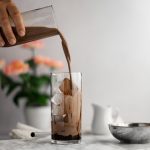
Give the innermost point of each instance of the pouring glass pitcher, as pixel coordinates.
(39, 24)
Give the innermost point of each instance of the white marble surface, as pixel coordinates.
(89, 142)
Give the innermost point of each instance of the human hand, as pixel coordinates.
(9, 9)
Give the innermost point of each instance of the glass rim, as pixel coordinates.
(58, 73)
(36, 9)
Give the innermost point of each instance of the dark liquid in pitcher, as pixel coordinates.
(36, 33)
(32, 34)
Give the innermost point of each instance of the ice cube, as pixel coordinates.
(57, 102)
(58, 118)
(56, 87)
(57, 99)
(57, 110)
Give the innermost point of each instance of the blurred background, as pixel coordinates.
(110, 45)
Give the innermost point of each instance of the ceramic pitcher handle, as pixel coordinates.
(115, 114)
(116, 118)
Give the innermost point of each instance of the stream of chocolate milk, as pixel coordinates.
(36, 33)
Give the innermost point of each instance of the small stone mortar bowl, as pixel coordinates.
(133, 133)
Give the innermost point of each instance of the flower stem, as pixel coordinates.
(33, 55)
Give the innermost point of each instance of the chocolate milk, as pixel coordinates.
(71, 130)
(66, 112)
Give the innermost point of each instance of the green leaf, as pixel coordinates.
(18, 96)
(38, 99)
(39, 81)
(9, 83)
(0, 76)
(11, 88)
(25, 77)
(31, 63)
(5, 81)
(46, 78)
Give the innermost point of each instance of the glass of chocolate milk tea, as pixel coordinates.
(66, 89)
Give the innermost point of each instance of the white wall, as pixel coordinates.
(109, 41)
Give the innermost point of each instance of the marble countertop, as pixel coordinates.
(89, 142)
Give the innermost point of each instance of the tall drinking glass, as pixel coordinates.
(66, 108)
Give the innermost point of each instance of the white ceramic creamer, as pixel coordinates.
(102, 117)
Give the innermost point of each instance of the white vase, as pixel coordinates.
(38, 117)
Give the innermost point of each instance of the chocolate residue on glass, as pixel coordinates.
(36, 33)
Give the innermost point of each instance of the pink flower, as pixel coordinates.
(2, 64)
(34, 45)
(54, 63)
(39, 60)
(42, 60)
(16, 67)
